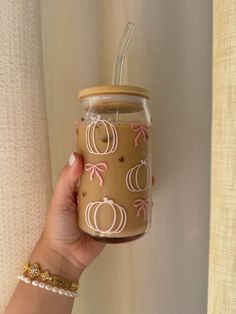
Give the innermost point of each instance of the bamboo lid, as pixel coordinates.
(113, 89)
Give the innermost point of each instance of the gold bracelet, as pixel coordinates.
(34, 271)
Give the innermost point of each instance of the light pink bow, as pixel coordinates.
(95, 170)
(141, 130)
(142, 206)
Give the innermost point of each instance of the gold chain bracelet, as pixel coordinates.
(34, 271)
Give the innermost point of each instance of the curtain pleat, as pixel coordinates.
(24, 156)
(165, 272)
(222, 262)
(170, 54)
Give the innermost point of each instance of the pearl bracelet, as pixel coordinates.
(43, 285)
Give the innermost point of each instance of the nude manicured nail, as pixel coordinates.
(72, 159)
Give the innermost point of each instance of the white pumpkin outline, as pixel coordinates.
(123, 219)
(91, 145)
(134, 171)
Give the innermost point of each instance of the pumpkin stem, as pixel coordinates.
(106, 200)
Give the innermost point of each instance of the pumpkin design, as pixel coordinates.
(132, 177)
(111, 135)
(119, 216)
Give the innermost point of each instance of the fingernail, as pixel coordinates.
(72, 159)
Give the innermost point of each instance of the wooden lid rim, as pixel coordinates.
(113, 89)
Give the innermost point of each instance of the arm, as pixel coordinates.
(28, 299)
(63, 249)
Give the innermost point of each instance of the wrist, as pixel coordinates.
(53, 261)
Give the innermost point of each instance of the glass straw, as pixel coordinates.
(121, 52)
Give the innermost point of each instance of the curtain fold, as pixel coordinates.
(24, 156)
(222, 261)
(170, 54)
(165, 272)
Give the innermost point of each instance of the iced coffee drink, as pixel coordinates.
(114, 139)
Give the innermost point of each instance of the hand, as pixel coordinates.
(62, 238)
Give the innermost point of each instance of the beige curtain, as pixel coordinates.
(222, 264)
(170, 54)
(24, 156)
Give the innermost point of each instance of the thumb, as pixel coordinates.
(67, 182)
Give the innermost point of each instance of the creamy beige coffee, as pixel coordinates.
(114, 193)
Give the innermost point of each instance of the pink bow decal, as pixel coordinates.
(95, 170)
(142, 206)
(141, 130)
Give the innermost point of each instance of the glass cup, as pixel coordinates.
(113, 138)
